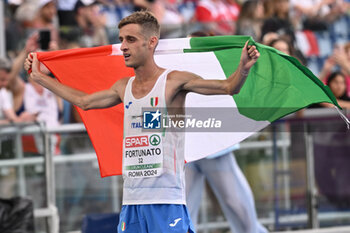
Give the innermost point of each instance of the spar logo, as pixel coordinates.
(154, 140)
(138, 141)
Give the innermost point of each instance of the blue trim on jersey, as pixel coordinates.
(155, 218)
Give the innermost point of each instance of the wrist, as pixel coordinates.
(244, 72)
(37, 76)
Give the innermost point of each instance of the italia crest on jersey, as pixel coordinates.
(154, 101)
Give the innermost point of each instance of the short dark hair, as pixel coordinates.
(145, 19)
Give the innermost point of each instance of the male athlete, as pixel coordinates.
(156, 203)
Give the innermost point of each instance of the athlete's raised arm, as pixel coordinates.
(102, 99)
(230, 86)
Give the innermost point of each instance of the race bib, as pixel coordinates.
(143, 156)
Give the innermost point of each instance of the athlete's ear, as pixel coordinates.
(153, 42)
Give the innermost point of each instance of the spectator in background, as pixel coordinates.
(13, 31)
(47, 107)
(43, 103)
(277, 8)
(165, 11)
(26, 13)
(216, 16)
(278, 24)
(66, 12)
(282, 45)
(336, 82)
(114, 11)
(13, 86)
(340, 58)
(234, 9)
(250, 19)
(122, 8)
(7, 113)
(92, 22)
(39, 15)
(347, 59)
(277, 19)
(167, 14)
(38, 102)
(46, 18)
(269, 37)
(316, 14)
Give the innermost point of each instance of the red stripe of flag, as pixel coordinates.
(91, 70)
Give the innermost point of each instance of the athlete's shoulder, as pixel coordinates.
(122, 82)
(180, 75)
(120, 85)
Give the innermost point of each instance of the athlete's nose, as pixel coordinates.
(123, 47)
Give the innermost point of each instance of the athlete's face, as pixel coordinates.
(135, 46)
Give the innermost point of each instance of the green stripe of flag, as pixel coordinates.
(277, 84)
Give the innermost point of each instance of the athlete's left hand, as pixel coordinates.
(249, 56)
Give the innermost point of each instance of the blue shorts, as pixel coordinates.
(155, 218)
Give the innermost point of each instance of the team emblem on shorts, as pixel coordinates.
(173, 224)
(123, 226)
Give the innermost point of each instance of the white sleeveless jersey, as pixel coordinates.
(166, 184)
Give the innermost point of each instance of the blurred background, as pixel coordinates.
(298, 168)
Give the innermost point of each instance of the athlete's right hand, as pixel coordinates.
(28, 63)
(32, 65)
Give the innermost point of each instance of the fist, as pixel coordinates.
(28, 63)
(250, 55)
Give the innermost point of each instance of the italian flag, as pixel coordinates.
(277, 85)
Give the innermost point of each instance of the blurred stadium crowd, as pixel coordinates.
(317, 32)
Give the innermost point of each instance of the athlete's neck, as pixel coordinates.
(147, 72)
